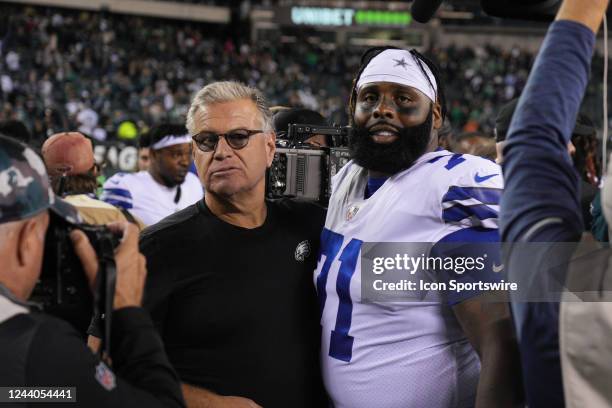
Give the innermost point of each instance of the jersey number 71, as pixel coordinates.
(341, 344)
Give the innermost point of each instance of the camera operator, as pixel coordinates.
(40, 350)
(284, 118)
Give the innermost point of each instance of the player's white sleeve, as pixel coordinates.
(472, 198)
(117, 192)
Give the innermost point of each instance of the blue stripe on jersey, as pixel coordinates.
(473, 234)
(454, 161)
(118, 192)
(435, 159)
(118, 203)
(483, 194)
(459, 212)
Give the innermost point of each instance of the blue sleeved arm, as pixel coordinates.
(541, 198)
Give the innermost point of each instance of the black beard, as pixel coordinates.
(393, 157)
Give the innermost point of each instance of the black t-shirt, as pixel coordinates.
(237, 307)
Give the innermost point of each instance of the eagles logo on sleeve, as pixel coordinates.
(302, 251)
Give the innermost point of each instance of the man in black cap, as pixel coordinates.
(42, 351)
(284, 118)
(502, 125)
(17, 130)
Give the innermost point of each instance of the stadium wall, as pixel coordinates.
(162, 9)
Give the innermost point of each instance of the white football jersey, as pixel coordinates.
(148, 200)
(400, 354)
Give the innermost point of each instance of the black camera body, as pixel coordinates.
(63, 289)
(302, 171)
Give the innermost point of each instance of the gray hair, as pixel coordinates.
(227, 91)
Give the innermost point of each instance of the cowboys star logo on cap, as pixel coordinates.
(400, 67)
(302, 251)
(401, 63)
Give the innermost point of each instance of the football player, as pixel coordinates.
(166, 186)
(400, 187)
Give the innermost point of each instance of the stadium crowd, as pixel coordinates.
(96, 70)
(120, 75)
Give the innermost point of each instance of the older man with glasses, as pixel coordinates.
(230, 278)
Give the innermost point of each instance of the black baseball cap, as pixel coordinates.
(282, 119)
(584, 125)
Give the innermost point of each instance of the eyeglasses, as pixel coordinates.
(236, 139)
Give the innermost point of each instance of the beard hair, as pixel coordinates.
(393, 157)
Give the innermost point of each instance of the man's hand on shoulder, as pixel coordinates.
(196, 397)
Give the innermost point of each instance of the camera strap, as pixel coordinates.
(104, 296)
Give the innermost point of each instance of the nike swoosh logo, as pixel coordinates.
(498, 268)
(479, 179)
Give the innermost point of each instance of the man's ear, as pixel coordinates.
(270, 147)
(437, 116)
(29, 237)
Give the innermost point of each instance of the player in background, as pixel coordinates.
(400, 187)
(166, 187)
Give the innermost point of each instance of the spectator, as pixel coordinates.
(144, 157)
(174, 60)
(73, 174)
(584, 159)
(17, 130)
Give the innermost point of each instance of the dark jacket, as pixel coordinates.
(39, 350)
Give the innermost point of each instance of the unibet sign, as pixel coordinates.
(338, 17)
(385, 18)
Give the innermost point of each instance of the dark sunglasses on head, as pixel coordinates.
(236, 139)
